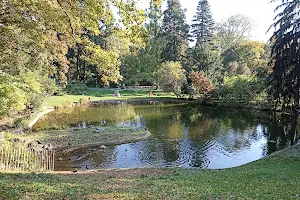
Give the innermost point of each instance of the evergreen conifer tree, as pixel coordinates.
(203, 24)
(286, 54)
(175, 32)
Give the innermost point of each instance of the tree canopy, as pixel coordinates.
(285, 53)
(175, 32)
(48, 45)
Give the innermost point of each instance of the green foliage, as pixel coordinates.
(12, 95)
(21, 91)
(203, 24)
(245, 58)
(36, 36)
(206, 58)
(285, 54)
(106, 62)
(238, 89)
(143, 66)
(171, 76)
(175, 32)
(233, 31)
(76, 88)
(155, 19)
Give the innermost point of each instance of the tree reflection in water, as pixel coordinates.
(184, 136)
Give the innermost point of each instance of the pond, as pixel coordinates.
(182, 135)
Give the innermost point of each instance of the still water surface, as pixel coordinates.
(184, 136)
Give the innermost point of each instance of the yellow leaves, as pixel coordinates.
(11, 94)
(171, 76)
(106, 61)
(157, 3)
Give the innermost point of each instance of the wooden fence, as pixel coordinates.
(16, 158)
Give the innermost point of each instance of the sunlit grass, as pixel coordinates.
(275, 177)
(97, 95)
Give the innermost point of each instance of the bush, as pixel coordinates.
(171, 76)
(19, 123)
(237, 88)
(77, 89)
(202, 84)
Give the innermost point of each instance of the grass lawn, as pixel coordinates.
(97, 95)
(276, 177)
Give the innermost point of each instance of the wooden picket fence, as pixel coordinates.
(17, 158)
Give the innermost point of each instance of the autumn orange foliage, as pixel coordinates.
(201, 83)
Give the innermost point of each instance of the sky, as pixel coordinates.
(261, 11)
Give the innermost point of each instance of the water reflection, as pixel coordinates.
(182, 136)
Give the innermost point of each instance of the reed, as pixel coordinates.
(18, 158)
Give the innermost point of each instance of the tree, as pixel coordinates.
(155, 19)
(171, 76)
(203, 24)
(12, 97)
(285, 77)
(175, 32)
(35, 37)
(207, 59)
(245, 58)
(238, 88)
(202, 84)
(233, 31)
(142, 68)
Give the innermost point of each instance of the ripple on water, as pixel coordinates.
(192, 137)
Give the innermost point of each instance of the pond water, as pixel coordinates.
(185, 136)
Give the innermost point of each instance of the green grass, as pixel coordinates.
(63, 138)
(97, 95)
(111, 135)
(276, 177)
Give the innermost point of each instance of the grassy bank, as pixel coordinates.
(97, 95)
(73, 138)
(276, 177)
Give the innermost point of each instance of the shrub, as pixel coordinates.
(202, 84)
(77, 89)
(238, 88)
(19, 123)
(171, 76)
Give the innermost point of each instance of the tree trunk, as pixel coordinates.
(296, 98)
(77, 68)
(84, 71)
(69, 75)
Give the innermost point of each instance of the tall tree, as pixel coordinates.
(141, 68)
(175, 32)
(35, 37)
(245, 58)
(233, 31)
(285, 78)
(155, 19)
(203, 23)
